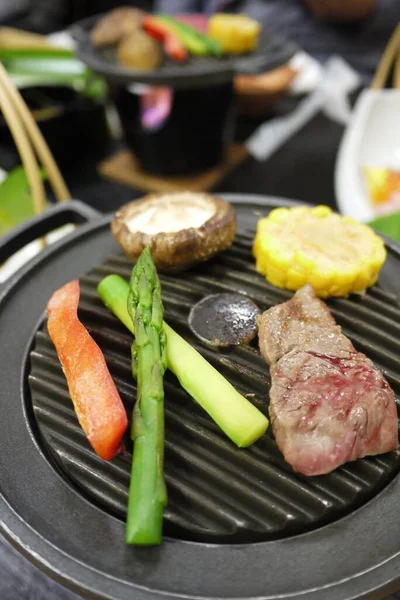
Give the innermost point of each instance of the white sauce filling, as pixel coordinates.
(171, 214)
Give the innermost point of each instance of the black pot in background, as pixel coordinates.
(192, 139)
(73, 125)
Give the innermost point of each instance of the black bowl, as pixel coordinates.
(192, 138)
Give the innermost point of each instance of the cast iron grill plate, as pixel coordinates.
(197, 71)
(217, 492)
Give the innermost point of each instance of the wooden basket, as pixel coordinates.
(389, 62)
(30, 144)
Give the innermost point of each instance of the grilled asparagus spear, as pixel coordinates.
(241, 421)
(147, 493)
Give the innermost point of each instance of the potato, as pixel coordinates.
(140, 52)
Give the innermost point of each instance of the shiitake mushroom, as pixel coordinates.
(181, 229)
(115, 25)
(223, 320)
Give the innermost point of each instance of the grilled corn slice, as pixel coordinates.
(236, 34)
(336, 255)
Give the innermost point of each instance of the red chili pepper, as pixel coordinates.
(172, 44)
(95, 397)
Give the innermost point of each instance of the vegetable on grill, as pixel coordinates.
(242, 422)
(236, 34)
(139, 51)
(147, 492)
(336, 255)
(181, 228)
(115, 25)
(194, 41)
(97, 403)
(224, 320)
(173, 46)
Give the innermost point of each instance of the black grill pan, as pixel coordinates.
(216, 491)
(240, 523)
(272, 52)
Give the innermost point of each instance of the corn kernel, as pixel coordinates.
(322, 211)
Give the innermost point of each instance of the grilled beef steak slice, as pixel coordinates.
(328, 405)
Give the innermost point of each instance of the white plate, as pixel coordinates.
(371, 139)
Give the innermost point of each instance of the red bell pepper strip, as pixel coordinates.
(96, 400)
(172, 44)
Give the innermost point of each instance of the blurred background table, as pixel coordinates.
(302, 169)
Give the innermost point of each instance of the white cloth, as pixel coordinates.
(331, 96)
